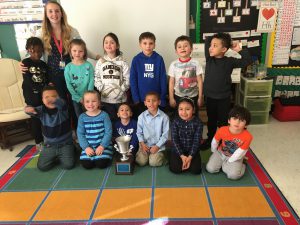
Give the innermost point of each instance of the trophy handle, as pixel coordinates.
(116, 147)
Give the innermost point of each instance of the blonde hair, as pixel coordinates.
(47, 29)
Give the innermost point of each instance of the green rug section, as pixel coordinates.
(31, 179)
(142, 177)
(165, 178)
(220, 179)
(80, 178)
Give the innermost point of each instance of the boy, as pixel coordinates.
(56, 129)
(152, 132)
(217, 82)
(34, 80)
(185, 74)
(147, 73)
(126, 126)
(235, 141)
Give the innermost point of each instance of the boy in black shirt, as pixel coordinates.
(217, 81)
(34, 80)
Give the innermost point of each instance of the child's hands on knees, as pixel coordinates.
(154, 149)
(89, 151)
(188, 162)
(99, 150)
(145, 148)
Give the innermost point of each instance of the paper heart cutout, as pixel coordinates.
(268, 13)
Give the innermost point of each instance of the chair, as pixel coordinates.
(14, 123)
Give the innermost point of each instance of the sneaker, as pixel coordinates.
(39, 146)
(205, 145)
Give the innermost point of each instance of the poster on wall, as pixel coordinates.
(267, 17)
(19, 11)
(285, 43)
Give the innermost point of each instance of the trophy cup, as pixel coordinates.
(125, 162)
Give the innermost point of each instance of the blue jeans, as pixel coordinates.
(50, 154)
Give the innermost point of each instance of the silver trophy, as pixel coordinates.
(123, 146)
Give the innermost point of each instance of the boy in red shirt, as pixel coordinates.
(230, 145)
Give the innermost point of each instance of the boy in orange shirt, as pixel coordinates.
(235, 141)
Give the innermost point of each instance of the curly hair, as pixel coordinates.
(225, 39)
(32, 42)
(240, 113)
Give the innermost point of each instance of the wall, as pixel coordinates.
(8, 42)
(167, 19)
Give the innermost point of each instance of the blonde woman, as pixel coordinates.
(56, 35)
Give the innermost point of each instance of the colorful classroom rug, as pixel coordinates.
(150, 196)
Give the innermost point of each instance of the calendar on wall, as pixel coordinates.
(285, 41)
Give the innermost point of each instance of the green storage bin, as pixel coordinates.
(255, 103)
(253, 87)
(259, 117)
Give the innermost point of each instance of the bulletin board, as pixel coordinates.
(284, 52)
(21, 11)
(285, 41)
(237, 17)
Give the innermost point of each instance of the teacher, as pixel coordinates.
(56, 35)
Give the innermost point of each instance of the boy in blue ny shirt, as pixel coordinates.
(147, 73)
(152, 132)
(56, 127)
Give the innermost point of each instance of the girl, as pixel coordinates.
(112, 76)
(94, 133)
(186, 135)
(34, 80)
(79, 74)
(126, 126)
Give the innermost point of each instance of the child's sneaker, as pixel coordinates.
(39, 146)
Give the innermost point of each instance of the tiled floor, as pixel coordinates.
(276, 145)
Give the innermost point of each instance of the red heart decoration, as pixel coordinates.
(268, 13)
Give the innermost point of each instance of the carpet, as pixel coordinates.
(150, 196)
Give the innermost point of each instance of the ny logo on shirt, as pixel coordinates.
(149, 67)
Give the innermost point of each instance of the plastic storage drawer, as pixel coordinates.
(259, 117)
(255, 103)
(253, 87)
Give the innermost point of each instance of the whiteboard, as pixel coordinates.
(167, 19)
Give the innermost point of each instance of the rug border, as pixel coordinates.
(280, 203)
(16, 167)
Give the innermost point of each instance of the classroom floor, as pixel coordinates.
(276, 145)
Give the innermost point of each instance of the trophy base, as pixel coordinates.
(124, 167)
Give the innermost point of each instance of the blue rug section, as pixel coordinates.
(24, 151)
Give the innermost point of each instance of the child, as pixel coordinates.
(185, 74)
(152, 132)
(147, 73)
(217, 82)
(94, 133)
(112, 76)
(58, 143)
(79, 74)
(34, 80)
(235, 141)
(126, 126)
(186, 136)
